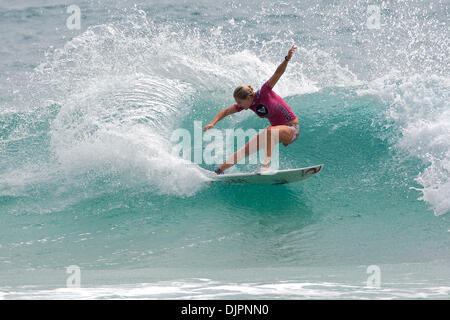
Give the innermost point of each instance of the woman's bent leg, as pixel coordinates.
(251, 147)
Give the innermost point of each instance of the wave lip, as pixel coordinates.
(419, 110)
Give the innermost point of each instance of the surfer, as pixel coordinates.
(266, 104)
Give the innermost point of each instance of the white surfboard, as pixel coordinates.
(268, 177)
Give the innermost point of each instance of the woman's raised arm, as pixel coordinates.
(282, 67)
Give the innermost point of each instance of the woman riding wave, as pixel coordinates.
(266, 104)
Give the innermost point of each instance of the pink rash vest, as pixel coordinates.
(267, 104)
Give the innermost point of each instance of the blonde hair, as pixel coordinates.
(242, 92)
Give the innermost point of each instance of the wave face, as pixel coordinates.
(88, 175)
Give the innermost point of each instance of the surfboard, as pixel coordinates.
(268, 177)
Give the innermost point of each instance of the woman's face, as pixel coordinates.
(245, 103)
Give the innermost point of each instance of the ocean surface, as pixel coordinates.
(94, 203)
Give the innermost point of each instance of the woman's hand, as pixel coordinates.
(291, 52)
(208, 126)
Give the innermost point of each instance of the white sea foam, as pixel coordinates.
(210, 289)
(419, 106)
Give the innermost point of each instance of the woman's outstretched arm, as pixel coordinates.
(222, 114)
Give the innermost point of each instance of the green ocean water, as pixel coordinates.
(88, 177)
